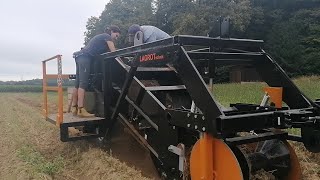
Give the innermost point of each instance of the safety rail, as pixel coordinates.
(58, 88)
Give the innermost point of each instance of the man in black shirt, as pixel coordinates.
(99, 44)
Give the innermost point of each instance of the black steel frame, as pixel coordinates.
(211, 118)
(93, 124)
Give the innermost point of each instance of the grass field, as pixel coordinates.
(20, 88)
(252, 92)
(30, 147)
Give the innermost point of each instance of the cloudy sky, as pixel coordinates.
(34, 30)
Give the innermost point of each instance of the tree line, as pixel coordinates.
(290, 28)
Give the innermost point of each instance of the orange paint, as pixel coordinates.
(275, 94)
(295, 172)
(212, 159)
(44, 89)
(58, 88)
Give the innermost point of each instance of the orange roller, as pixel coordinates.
(212, 159)
(295, 170)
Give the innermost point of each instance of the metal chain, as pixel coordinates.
(59, 79)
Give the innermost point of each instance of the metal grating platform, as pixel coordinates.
(88, 127)
(69, 118)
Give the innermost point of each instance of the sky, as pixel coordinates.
(35, 30)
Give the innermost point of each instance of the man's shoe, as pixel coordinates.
(74, 110)
(82, 112)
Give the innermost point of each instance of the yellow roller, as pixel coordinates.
(212, 159)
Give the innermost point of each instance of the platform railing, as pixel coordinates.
(58, 88)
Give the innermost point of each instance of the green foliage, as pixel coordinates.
(190, 24)
(92, 28)
(195, 17)
(169, 11)
(286, 49)
(291, 31)
(122, 13)
(290, 28)
(222, 74)
(172, 16)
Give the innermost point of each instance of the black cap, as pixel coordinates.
(133, 29)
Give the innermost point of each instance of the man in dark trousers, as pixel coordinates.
(99, 44)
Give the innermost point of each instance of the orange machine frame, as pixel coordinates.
(57, 88)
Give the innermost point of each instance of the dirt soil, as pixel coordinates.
(30, 148)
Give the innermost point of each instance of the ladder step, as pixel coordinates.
(87, 130)
(165, 88)
(69, 118)
(52, 88)
(144, 128)
(76, 138)
(88, 127)
(154, 69)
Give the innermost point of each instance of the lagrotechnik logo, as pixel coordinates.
(151, 57)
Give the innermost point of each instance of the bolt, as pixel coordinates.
(203, 118)
(214, 175)
(140, 124)
(203, 129)
(195, 127)
(173, 127)
(164, 174)
(188, 125)
(195, 116)
(188, 114)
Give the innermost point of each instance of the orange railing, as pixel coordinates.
(58, 88)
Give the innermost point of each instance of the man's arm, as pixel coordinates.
(111, 46)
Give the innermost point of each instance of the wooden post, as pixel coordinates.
(44, 89)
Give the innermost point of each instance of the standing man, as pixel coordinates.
(99, 44)
(150, 33)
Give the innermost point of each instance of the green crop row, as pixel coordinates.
(21, 88)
